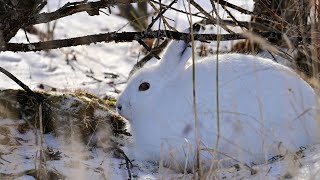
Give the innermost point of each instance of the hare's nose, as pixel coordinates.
(119, 107)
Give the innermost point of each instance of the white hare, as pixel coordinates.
(265, 108)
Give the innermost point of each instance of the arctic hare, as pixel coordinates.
(266, 109)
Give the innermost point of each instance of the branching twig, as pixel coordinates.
(160, 14)
(228, 12)
(197, 6)
(157, 50)
(128, 163)
(225, 3)
(147, 47)
(257, 26)
(163, 19)
(75, 7)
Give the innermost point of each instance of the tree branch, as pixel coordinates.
(21, 84)
(124, 37)
(72, 8)
(224, 4)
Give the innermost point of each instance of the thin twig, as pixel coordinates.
(128, 163)
(231, 15)
(157, 50)
(147, 48)
(253, 25)
(21, 84)
(225, 3)
(160, 14)
(163, 19)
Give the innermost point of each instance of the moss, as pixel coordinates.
(66, 114)
(29, 110)
(111, 102)
(117, 122)
(75, 104)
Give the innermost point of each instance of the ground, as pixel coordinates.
(90, 69)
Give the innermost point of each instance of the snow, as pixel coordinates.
(83, 68)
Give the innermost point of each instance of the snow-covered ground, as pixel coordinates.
(88, 68)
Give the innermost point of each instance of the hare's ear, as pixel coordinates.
(176, 56)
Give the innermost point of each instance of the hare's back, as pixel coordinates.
(258, 94)
(241, 65)
(252, 70)
(254, 87)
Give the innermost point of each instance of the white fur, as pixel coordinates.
(262, 104)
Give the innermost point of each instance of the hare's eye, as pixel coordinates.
(144, 86)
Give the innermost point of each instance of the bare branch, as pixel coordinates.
(160, 14)
(113, 36)
(216, 21)
(157, 50)
(225, 3)
(248, 25)
(142, 43)
(158, 11)
(72, 8)
(21, 84)
(128, 37)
